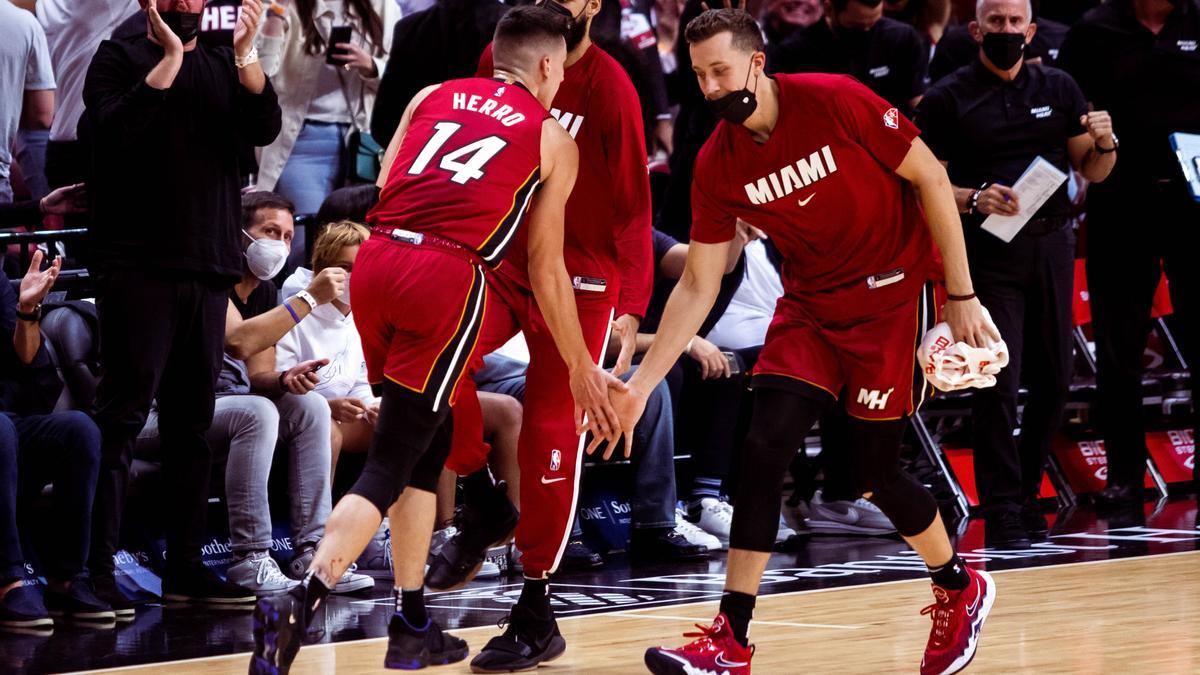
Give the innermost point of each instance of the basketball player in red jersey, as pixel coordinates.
(458, 179)
(840, 182)
(608, 256)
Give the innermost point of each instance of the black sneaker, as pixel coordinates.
(279, 626)
(1003, 529)
(410, 648)
(1033, 521)
(105, 587)
(480, 526)
(198, 584)
(1120, 498)
(79, 603)
(22, 610)
(577, 556)
(527, 642)
(664, 544)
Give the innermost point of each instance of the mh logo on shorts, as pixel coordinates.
(555, 460)
(874, 399)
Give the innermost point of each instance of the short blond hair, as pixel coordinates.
(333, 238)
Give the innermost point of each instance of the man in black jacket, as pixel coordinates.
(170, 118)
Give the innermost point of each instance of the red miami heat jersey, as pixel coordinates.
(467, 167)
(824, 189)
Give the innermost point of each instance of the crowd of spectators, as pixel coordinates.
(227, 181)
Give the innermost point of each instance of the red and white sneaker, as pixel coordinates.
(714, 652)
(958, 618)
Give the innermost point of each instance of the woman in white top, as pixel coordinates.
(322, 103)
(329, 333)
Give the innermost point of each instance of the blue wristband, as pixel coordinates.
(291, 311)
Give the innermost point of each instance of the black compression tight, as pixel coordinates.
(781, 419)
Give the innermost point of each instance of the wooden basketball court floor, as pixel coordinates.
(1126, 615)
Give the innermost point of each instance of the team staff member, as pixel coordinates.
(855, 38)
(1139, 60)
(837, 178)
(465, 152)
(608, 256)
(987, 122)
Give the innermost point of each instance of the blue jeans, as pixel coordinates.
(313, 170)
(63, 448)
(31, 155)
(653, 458)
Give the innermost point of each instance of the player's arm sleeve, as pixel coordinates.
(712, 223)
(876, 125)
(486, 67)
(626, 147)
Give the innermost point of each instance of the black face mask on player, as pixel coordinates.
(578, 23)
(736, 106)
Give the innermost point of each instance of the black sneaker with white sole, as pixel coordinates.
(527, 642)
(413, 648)
(105, 587)
(479, 527)
(79, 603)
(197, 584)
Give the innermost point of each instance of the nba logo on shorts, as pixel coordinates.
(891, 118)
(555, 460)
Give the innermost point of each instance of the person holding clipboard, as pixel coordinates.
(988, 122)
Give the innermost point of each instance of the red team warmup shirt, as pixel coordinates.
(468, 166)
(608, 214)
(856, 248)
(823, 187)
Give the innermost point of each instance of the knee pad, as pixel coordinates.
(403, 433)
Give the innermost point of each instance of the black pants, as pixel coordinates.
(1131, 231)
(1026, 286)
(161, 338)
(712, 416)
(62, 448)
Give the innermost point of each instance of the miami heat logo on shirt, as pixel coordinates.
(569, 121)
(790, 178)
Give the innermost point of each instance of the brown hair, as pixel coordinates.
(747, 36)
(333, 238)
(371, 24)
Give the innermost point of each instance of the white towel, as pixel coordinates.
(950, 365)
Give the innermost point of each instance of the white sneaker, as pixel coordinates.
(716, 517)
(784, 532)
(352, 581)
(261, 574)
(693, 534)
(842, 517)
(488, 570)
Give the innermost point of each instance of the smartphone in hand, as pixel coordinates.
(338, 35)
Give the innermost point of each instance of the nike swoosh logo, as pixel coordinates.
(804, 202)
(978, 596)
(547, 481)
(722, 663)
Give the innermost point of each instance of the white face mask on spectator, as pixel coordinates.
(950, 365)
(266, 257)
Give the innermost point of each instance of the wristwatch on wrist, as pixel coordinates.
(1104, 151)
(33, 317)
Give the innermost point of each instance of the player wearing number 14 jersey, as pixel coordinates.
(458, 181)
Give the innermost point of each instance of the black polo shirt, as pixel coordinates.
(989, 130)
(957, 48)
(1149, 83)
(893, 65)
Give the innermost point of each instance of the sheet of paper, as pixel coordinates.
(1033, 188)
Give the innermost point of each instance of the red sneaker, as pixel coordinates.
(714, 652)
(958, 618)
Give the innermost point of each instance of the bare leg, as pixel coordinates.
(412, 526)
(502, 427)
(355, 437)
(335, 447)
(447, 484)
(347, 532)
